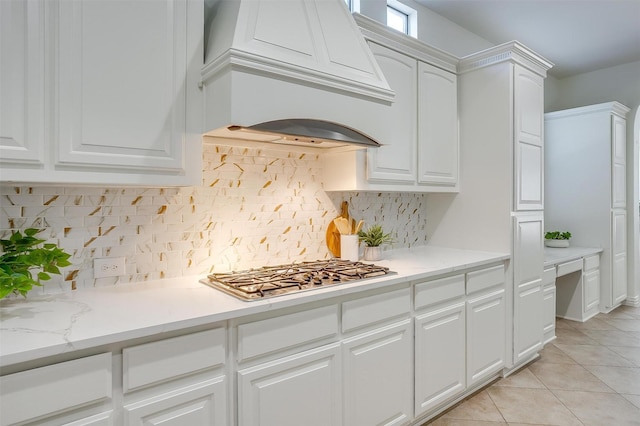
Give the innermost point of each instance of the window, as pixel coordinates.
(402, 18)
(397, 20)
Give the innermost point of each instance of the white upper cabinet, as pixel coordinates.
(121, 101)
(22, 76)
(395, 160)
(419, 132)
(619, 161)
(438, 126)
(529, 134)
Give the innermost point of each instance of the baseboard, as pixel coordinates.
(632, 301)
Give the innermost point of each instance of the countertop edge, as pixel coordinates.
(86, 324)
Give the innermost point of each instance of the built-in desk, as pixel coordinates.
(572, 274)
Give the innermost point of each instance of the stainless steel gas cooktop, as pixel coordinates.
(270, 281)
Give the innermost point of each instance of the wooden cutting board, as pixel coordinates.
(333, 236)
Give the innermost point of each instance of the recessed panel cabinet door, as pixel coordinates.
(378, 377)
(302, 389)
(528, 270)
(619, 163)
(121, 94)
(440, 350)
(395, 161)
(22, 82)
(528, 127)
(619, 256)
(437, 126)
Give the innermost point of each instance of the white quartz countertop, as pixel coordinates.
(48, 325)
(555, 256)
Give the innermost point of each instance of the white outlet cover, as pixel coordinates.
(108, 267)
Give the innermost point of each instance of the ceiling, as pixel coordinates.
(576, 35)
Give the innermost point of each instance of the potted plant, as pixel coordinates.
(373, 238)
(24, 253)
(557, 239)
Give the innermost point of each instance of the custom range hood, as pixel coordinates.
(290, 71)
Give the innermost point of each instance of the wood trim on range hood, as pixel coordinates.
(269, 60)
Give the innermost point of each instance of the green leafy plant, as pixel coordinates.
(374, 236)
(557, 235)
(24, 253)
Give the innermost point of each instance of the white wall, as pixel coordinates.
(433, 29)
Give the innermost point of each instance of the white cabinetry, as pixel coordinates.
(486, 324)
(440, 317)
(289, 369)
(22, 78)
(302, 387)
(549, 304)
(395, 161)
(585, 187)
(176, 381)
(419, 135)
(527, 285)
(50, 395)
(377, 359)
(120, 107)
(500, 93)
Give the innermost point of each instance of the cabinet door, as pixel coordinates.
(528, 150)
(439, 356)
(22, 82)
(528, 253)
(378, 377)
(486, 336)
(591, 283)
(549, 313)
(619, 167)
(437, 126)
(527, 321)
(549, 304)
(300, 389)
(395, 161)
(619, 257)
(202, 404)
(121, 84)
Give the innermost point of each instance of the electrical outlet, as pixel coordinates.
(108, 267)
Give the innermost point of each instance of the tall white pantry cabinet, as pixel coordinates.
(586, 187)
(501, 109)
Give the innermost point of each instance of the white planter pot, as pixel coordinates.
(556, 243)
(372, 253)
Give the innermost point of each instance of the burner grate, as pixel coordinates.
(270, 281)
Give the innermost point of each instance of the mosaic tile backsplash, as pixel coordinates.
(256, 206)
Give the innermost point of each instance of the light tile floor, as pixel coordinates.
(589, 375)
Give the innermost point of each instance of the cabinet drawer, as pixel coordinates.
(286, 331)
(156, 362)
(375, 309)
(436, 291)
(591, 262)
(549, 277)
(569, 267)
(55, 388)
(485, 278)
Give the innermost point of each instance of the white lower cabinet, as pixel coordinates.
(440, 368)
(176, 381)
(549, 304)
(378, 376)
(202, 404)
(50, 395)
(527, 321)
(485, 336)
(299, 389)
(486, 324)
(591, 284)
